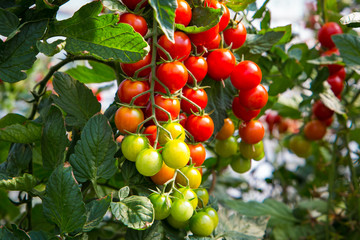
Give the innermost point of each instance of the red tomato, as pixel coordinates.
(173, 74)
(127, 119)
(221, 63)
(150, 133)
(197, 96)
(235, 36)
(129, 89)
(158, 87)
(183, 119)
(197, 66)
(131, 4)
(333, 68)
(197, 153)
(325, 33)
(246, 75)
(321, 112)
(243, 113)
(183, 13)
(337, 85)
(224, 21)
(200, 127)
(255, 98)
(272, 119)
(201, 38)
(341, 73)
(180, 50)
(227, 130)
(130, 68)
(137, 22)
(314, 130)
(252, 132)
(172, 105)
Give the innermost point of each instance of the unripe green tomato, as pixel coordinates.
(226, 148)
(175, 223)
(176, 130)
(132, 145)
(149, 162)
(300, 146)
(162, 205)
(187, 194)
(240, 164)
(261, 156)
(251, 151)
(176, 153)
(181, 210)
(202, 194)
(213, 214)
(201, 224)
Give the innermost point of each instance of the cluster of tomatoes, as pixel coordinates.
(322, 116)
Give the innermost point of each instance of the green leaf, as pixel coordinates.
(18, 160)
(114, 5)
(238, 5)
(7, 209)
(332, 102)
(41, 235)
(9, 22)
(325, 60)
(203, 19)
(155, 232)
(63, 204)
(16, 128)
(24, 183)
(317, 85)
(287, 111)
(285, 29)
(75, 99)
(95, 212)
(355, 135)
(50, 49)
(136, 212)
(351, 20)
(349, 47)
(38, 220)
(54, 140)
(316, 204)
(259, 13)
(279, 85)
(19, 53)
(131, 176)
(17, 234)
(124, 192)
(165, 16)
(97, 74)
(94, 153)
(262, 43)
(99, 36)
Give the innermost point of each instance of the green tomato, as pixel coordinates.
(162, 205)
(132, 145)
(176, 130)
(181, 210)
(240, 164)
(202, 194)
(149, 162)
(213, 214)
(261, 156)
(226, 148)
(187, 194)
(251, 150)
(300, 146)
(201, 224)
(176, 153)
(175, 223)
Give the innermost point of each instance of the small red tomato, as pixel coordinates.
(198, 66)
(172, 105)
(182, 118)
(129, 89)
(150, 133)
(252, 132)
(246, 75)
(197, 154)
(337, 85)
(255, 98)
(183, 13)
(321, 112)
(243, 113)
(333, 68)
(173, 75)
(130, 68)
(200, 127)
(235, 36)
(314, 130)
(180, 50)
(225, 18)
(341, 73)
(131, 4)
(325, 33)
(221, 63)
(137, 22)
(203, 37)
(127, 119)
(197, 96)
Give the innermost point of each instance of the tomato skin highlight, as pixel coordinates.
(243, 113)
(200, 127)
(325, 33)
(183, 13)
(173, 75)
(197, 96)
(129, 89)
(255, 98)
(198, 66)
(246, 75)
(252, 132)
(221, 63)
(180, 50)
(149, 162)
(137, 22)
(130, 68)
(128, 119)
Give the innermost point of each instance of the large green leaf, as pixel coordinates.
(75, 99)
(164, 11)
(98, 73)
(94, 153)
(18, 160)
(50, 49)
(238, 5)
(9, 22)
(100, 36)
(63, 204)
(155, 232)
(351, 20)
(54, 140)
(287, 33)
(17, 234)
(136, 212)
(24, 183)
(114, 5)
(287, 111)
(262, 43)
(19, 53)
(349, 47)
(95, 211)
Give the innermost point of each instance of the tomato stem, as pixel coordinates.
(139, 95)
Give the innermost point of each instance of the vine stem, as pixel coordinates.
(213, 182)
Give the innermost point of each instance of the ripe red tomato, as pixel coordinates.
(159, 88)
(243, 113)
(173, 74)
(137, 22)
(225, 18)
(325, 33)
(150, 133)
(235, 36)
(320, 111)
(128, 119)
(183, 13)
(198, 66)
(341, 73)
(130, 68)
(246, 75)
(182, 118)
(333, 68)
(129, 89)
(272, 119)
(221, 63)
(180, 50)
(131, 4)
(314, 130)
(200, 127)
(252, 132)
(227, 130)
(201, 38)
(197, 154)
(337, 85)
(172, 105)
(197, 96)
(255, 98)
